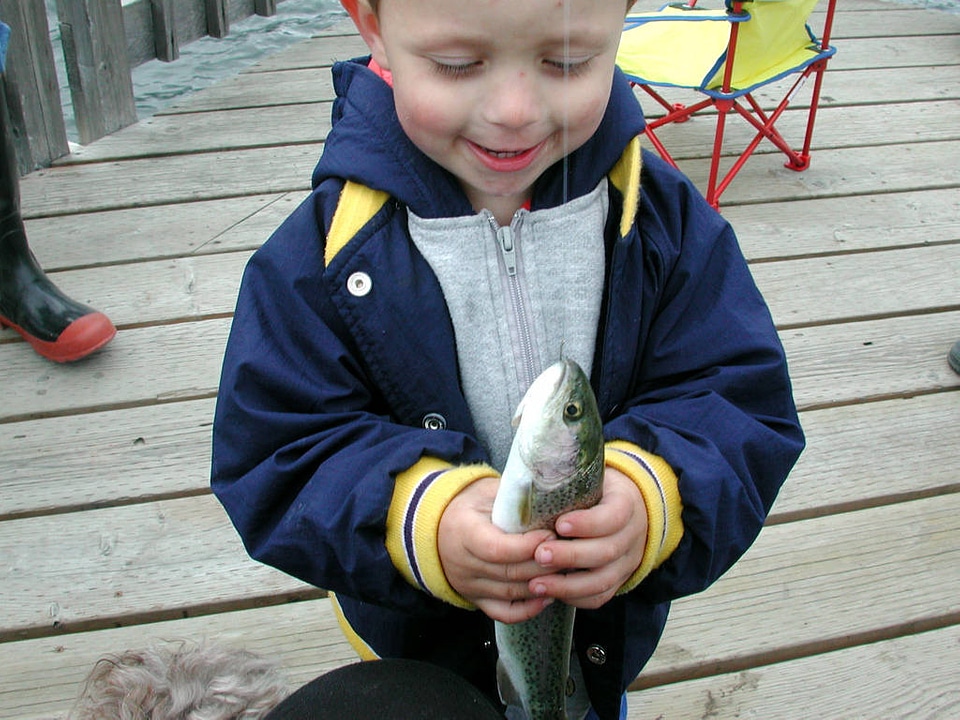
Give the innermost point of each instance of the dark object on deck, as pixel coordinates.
(388, 690)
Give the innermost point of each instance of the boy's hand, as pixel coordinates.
(599, 548)
(490, 568)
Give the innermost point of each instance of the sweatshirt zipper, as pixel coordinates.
(507, 238)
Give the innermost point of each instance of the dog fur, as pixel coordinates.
(181, 681)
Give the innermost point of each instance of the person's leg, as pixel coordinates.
(56, 326)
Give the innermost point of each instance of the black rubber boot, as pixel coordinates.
(57, 327)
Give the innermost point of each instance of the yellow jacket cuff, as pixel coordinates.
(657, 483)
(420, 496)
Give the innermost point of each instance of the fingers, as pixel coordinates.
(513, 612)
(599, 548)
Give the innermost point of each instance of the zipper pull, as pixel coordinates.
(507, 249)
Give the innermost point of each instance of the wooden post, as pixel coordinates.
(95, 50)
(218, 19)
(165, 30)
(267, 8)
(33, 94)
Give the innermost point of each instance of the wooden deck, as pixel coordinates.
(848, 606)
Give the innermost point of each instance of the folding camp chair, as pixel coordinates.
(686, 46)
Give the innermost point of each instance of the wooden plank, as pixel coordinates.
(896, 282)
(895, 51)
(97, 66)
(165, 39)
(163, 451)
(819, 585)
(837, 127)
(908, 677)
(261, 89)
(307, 85)
(850, 171)
(218, 21)
(835, 365)
(168, 180)
(827, 226)
(43, 677)
(830, 365)
(129, 565)
(163, 291)
(148, 453)
(839, 173)
(30, 84)
(317, 52)
(147, 366)
(895, 20)
(847, 462)
(211, 131)
(151, 233)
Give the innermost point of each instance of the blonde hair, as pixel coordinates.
(181, 681)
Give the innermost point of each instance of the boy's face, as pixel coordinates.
(496, 91)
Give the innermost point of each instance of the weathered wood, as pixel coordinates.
(165, 40)
(908, 678)
(160, 181)
(837, 128)
(848, 460)
(831, 365)
(819, 585)
(97, 66)
(143, 366)
(859, 362)
(31, 87)
(126, 565)
(153, 233)
(828, 226)
(266, 8)
(163, 451)
(43, 677)
(840, 289)
(833, 173)
(218, 21)
(247, 128)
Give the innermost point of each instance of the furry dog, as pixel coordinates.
(181, 681)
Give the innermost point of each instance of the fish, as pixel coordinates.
(555, 465)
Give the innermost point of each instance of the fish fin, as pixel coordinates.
(508, 693)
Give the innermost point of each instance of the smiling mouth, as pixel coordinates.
(507, 160)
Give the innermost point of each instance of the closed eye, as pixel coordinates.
(456, 69)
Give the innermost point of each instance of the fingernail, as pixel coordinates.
(564, 528)
(540, 590)
(544, 556)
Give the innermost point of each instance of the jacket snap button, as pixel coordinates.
(359, 284)
(596, 654)
(434, 421)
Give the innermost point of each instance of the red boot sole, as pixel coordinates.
(83, 336)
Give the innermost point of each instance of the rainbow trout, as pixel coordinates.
(555, 466)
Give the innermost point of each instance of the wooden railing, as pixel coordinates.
(102, 41)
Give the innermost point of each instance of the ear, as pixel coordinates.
(369, 26)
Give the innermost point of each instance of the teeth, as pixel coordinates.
(505, 153)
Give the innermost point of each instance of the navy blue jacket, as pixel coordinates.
(324, 392)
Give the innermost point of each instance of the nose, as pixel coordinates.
(513, 100)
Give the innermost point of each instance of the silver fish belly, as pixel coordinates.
(555, 466)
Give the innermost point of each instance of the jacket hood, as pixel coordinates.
(368, 145)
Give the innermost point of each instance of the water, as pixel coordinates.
(157, 85)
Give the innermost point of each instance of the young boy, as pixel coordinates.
(480, 210)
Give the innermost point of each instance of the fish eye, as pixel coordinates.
(572, 411)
